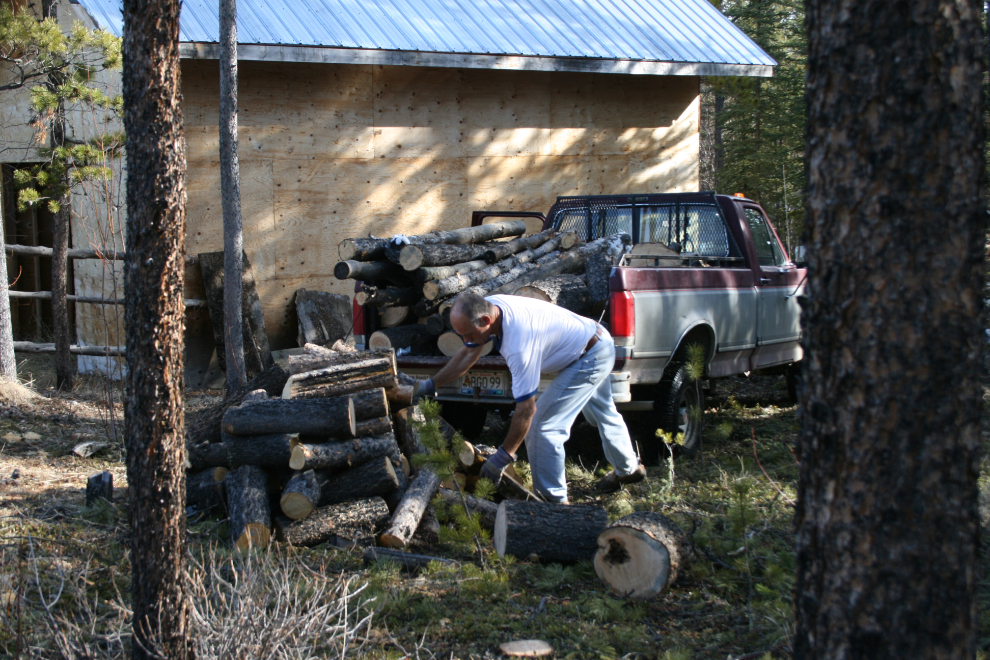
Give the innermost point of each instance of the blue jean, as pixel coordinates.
(584, 384)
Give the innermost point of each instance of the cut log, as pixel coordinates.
(357, 519)
(441, 254)
(435, 324)
(399, 396)
(567, 291)
(264, 451)
(204, 426)
(370, 296)
(571, 261)
(310, 361)
(597, 271)
(204, 490)
(485, 288)
(340, 454)
(472, 457)
(323, 317)
(439, 272)
(408, 561)
(300, 495)
(339, 379)
(640, 555)
(410, 511)
(257, 354)
(428, 531)
(375, 477)
(333, 417)
(393, 315)
(485, 509)
(402, 336)
(450, 286)
(316, 349)
(369, 271)
(247, 502)
(500, 251)
(406, 433)
(449, 343)
(255, 395)
(362, 249)
(99, 487)
(376, 426)
(425, 307)
(465, 236)
(202, 457)
(553, 532)
(526, 648)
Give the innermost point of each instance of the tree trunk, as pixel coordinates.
(312, 361)
(362, 249)
(339, 379)
(375, 477)
(205, 425)
(429, 274)
(410, 511)
(360, 518)
(886, 521)
(553, 532)
(639, 555)
(230, 197)
(370, 296)
(500, 251)
(346, 453)
(369, 271)
(567, 291)
(402, 336)
(153, 275)
(8, 364)
(247, 501)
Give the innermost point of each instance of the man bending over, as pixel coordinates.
(535, 336)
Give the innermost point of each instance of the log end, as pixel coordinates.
(255, 535)
(297, 460)
(346, 249)
(351, 417)
(499, 533)
(431, 291)
(379, 340)
(466, 456)
(568, 240)
(411, 257)
(342, 270)
(391, 541)
(296, 506)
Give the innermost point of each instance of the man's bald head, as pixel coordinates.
(471, 307)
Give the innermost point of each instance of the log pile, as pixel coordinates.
(408, 311)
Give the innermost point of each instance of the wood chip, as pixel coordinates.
(87, 449)
(526, 648)
(31, 435)
(12, 437)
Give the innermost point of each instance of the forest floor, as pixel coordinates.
(64, 573)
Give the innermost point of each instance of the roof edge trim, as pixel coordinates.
(331, 55)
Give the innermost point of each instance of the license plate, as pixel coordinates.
(486, 383)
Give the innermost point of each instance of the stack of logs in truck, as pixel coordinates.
(323, 455)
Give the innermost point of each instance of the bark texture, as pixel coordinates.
(230, 198)
(339, 379)
(567, 291)
(341, 454)
(406, 560)
(886, 519)
(99, 486)
(327, 417)
(313, 361)
(369, 271)
(410, 511)
(352, 520)
(8, 365)
(376, 477)
(250, 514)
(153, 276)
(553, 532)
(205, 425)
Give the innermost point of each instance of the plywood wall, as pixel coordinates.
(334, 151)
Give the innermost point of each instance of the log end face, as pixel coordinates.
(411, 257)
(431, 290)
(296, 506)
(255, 535)
(346, 250)
(387, 540)
(632, 563)
(297, 460)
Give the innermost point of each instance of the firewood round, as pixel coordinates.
(639, 555)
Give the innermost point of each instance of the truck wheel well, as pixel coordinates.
(701, 334)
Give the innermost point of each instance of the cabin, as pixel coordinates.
(404, 116)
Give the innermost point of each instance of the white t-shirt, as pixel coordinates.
(538, 337)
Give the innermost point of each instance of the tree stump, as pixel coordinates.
(99, 486)
(639, 556)
(247, 502)
(553, 532)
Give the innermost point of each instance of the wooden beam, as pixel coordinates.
(100, 351)
(46, 295)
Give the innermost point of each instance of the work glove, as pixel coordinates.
(493, 468)
(424, 388)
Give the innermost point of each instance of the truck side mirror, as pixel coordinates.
(801, 255)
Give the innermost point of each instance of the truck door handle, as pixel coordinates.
(764, 280)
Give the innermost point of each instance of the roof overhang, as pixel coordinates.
(330, 55)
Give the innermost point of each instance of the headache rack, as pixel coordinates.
(692, 221)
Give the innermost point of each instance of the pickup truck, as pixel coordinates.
(707, 279)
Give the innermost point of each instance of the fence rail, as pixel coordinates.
(32, 347)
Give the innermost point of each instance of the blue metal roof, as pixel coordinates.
(662, 31)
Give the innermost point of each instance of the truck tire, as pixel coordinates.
(679, 407)
(468, 418)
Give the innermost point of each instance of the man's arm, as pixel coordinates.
(458, 365)
(522, 419)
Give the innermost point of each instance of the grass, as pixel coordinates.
(65, 566)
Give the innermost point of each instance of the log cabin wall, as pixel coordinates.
(330, 151)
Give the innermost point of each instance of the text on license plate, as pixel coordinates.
(486, 383)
